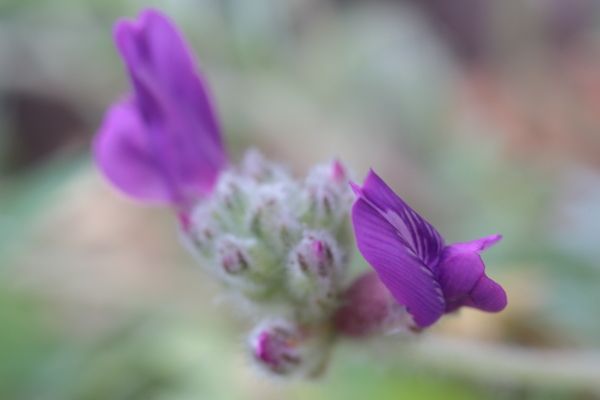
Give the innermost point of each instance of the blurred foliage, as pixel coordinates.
(95, 305)
(25, 342)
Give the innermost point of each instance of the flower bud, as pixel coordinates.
(338, 172)
(368, 308)
(256, 167)
(328, 196)
(233, 255)
(230, 201)
(272, 215)
(316, 255)
(245, 266)
(315, 271)
(200, 233)
(285, 349)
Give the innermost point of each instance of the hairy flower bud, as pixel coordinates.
(230, 201)
(233, 255)
(285, 349)
(328, 196)
(314, 255)
(247, 266)
(368, 308)
(256, 167)
(271, 216)
(338, 172)
(315, 271)
(200, 233)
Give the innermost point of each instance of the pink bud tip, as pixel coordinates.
(356, 189)
(185, 220)
(275, 350)
(319, 249)
(338, 172)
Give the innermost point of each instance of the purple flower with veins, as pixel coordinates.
(161, 143)
(412, 261)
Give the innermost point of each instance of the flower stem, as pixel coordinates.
(507, 364)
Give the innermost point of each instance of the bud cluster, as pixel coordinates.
(273, 238)
(279, 243)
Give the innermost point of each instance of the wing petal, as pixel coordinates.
(418, 236)
(407, 278)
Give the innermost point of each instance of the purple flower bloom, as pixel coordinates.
(160, 144)
(409, 256)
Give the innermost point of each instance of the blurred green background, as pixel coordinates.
(484, 115)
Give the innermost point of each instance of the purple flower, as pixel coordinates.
(412, 261)
(161, 143)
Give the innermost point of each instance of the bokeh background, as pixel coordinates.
(485, 115)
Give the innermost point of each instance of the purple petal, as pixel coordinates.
(476, 245)
(461, 273)
(176, 115)
(404, 274)
(122, 153)
(458, 274)
(417, 235)
(152, 46)
(487, 295)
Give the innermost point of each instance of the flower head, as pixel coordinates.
(161, 143)
(412, 261)
(281, 245)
